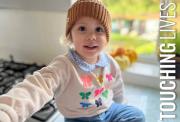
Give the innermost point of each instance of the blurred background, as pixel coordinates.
(30, 31)
(135, 27)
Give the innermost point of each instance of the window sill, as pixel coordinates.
(144, 75)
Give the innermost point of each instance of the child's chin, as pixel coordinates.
(91, 53)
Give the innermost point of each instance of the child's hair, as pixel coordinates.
(89, 8)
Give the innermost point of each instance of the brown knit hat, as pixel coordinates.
(90, 8)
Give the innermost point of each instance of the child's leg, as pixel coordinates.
(124, 113)
(71, 120)
(116, 113)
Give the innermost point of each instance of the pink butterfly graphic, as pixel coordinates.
(109, 77)
(98, 91)
(87, 81)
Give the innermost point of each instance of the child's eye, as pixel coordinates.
(81, 28)
(99, 29)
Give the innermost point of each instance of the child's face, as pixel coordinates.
(89, 38)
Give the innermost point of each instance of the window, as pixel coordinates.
(135, 24)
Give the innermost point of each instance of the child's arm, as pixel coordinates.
(30, 95)
(118, 87)
(118, 84)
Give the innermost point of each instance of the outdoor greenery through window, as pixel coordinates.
(135, 24)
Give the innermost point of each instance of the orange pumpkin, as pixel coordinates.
(120, 51)
(113, 54)
(132, 55)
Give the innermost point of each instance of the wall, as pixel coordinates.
(43, 5)
(31, 35)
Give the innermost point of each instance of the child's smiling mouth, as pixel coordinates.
(90, 47)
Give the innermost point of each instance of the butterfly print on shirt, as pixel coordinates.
(87, 81)
(85, 104)
(109, 77)
(98, 91)
(98, 102)
(100, 79)
(105, 93)
(85, 95)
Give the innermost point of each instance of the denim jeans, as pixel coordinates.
(116, 113)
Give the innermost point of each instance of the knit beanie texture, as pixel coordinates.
(89, 8)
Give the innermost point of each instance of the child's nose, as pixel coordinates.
(91, 36)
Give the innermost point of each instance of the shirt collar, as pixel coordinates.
(102, 62)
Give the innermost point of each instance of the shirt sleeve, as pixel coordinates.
(34, 92)
(118, 84)
(118, 88)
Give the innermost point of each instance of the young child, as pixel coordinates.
(86, 82)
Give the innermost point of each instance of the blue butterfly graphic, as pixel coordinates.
(98, 102)
(85, 104)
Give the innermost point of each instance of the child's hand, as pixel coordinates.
(4, 117)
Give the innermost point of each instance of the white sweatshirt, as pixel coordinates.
(77, 93)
